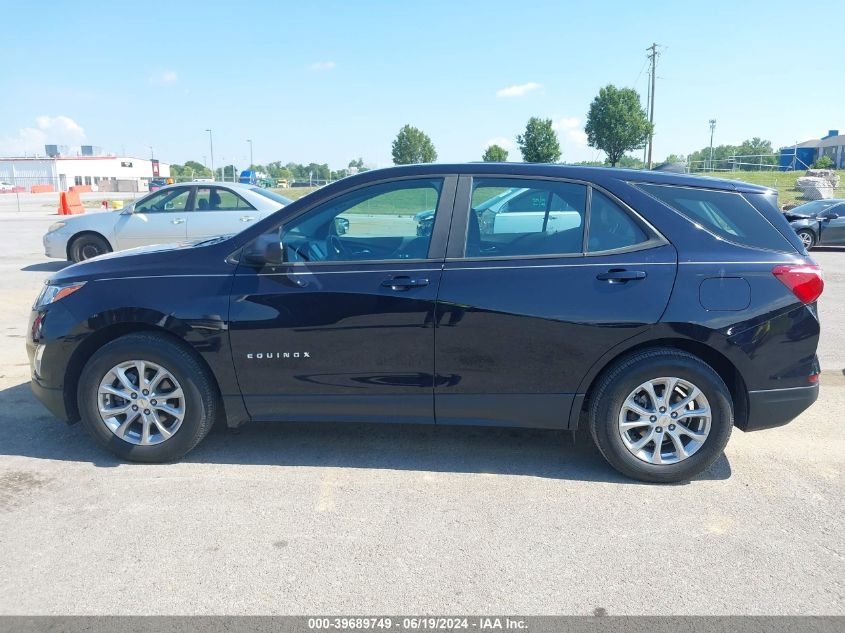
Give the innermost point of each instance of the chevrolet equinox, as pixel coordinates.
(661, 310)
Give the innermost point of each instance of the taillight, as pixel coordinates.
(803, 280)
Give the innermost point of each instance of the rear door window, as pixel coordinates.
(611, 227)
(724, 213)
(520, 217)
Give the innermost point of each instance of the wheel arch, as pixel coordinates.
(720, 363)
(83, 233)
(106, 335)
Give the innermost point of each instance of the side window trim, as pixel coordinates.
(456, 250)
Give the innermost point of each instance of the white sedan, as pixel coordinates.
(175, 213)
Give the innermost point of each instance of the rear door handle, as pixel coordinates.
(177, 221)
(620, 275)
(247, 218)
(404, 283)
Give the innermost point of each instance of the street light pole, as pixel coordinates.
(249, 140)
(151, 153)
(211, 148)
(712, 128)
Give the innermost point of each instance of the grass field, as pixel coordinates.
(783, 181)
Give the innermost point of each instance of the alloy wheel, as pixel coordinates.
(665, 420)
(141, 402)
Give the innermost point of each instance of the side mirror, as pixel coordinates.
(341, 226)
(266, 249)
(829, 215)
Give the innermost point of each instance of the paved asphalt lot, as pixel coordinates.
(299, 519)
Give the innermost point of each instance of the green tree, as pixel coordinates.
(539, 143)
(190, 170)
(628, 162)
(675, 158)
(495, 154)
(617, 122)
(413, 146)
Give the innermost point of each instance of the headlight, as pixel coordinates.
(52, 293)
(55, 226)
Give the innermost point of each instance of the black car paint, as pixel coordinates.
(484, 341)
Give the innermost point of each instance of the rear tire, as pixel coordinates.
(808, 238)
(159, 426)
(623, 416)
(88, 246)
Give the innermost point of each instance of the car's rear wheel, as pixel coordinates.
(661, 415)
(808, 238)
(146, 398)
(87, 246)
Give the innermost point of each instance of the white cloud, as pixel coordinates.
(569, 128)
(61, 130)
(322, 66)
(501, 141)
(164, 78)
(518, 90)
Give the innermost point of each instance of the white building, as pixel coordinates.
(102, 173)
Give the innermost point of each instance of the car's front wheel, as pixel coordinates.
(146, 398)
(661, 415)
(86, 246)
(808, 238)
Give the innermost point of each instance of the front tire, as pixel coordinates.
(808, 238)
(146, 398)
(661, 416)
(87, 246)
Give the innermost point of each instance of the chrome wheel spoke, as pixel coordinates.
(114, 391)
(120, 372)
(641, 443)
(112, 411)
(160, 425)
(681, 404)
(698, 437)
(120, 431)
(170, 395)
(679, 445)
(631, 405)
(694, 413)
(634, 424)
(656, 456)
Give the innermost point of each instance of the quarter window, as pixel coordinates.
(520, 217)
(724, 213)
(388, 221)
(611, 227)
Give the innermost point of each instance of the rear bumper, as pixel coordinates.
(776, 407)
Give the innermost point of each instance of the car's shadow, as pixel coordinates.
(50, 267)
(28, 430)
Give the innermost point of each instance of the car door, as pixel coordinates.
(833, 228)
(344, 328)
(159, 218)
(522, 316)
(219, 211)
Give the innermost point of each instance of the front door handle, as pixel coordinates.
(620, 275)
(404, 283)
(248, 218)
(177, 221)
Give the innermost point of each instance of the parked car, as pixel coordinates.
(174, 213)
(674, 309)
(819, 222)
(158, 183)
(6, 186)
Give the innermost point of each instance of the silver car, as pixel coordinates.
(174, 213)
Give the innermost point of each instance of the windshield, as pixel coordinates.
(272, 195)
(816, 207)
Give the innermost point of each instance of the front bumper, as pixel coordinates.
(55, 245)
(776, 407)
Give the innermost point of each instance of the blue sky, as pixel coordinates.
(330, 81)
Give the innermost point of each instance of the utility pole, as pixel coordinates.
(712, 128)
(249, 140)
(211, 147)
(653, 56)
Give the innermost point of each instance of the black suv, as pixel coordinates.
(660, 309)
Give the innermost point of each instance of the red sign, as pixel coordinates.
(154, 161)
